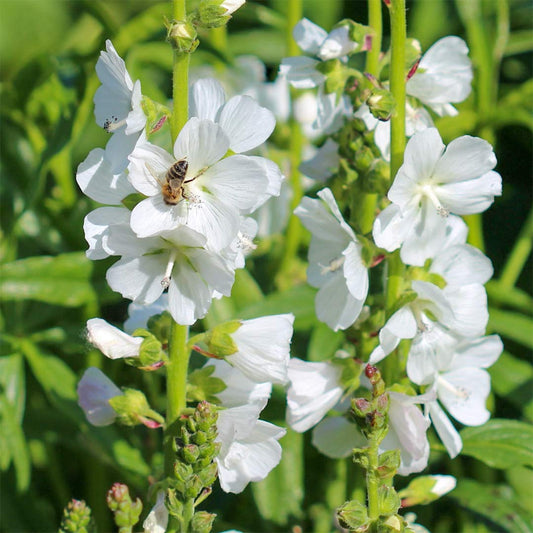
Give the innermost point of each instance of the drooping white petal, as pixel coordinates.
(355, 272)
(202, 143)
(337, 44)
(157, 519)
(246, 123)
(94, 391)
(301, 72)
(324, 163)
(97, 225)
(111, 341)
(96, 180)
(263, 348)
(462, 264)
(336, 437)
(309, 36)
(464, 393)
(239, 390)
(314, 390)
(206, 98)
(118, 149)
(138, 278)
(447, 433)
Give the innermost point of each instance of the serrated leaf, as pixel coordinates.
(280, 495)
(514, 326)
(500, 443)
(62, 280)
(299, 300)
(512, 378)
(495, 503)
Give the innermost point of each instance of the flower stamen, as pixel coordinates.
(333, 265)
(165, 282)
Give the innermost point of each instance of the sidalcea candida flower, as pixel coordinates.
(433, 182)
(336, 265)
(443, 77)
(95, 390)
(195, 187)
(259, 347)
(456, 373)
(157, 519)
(111, 341)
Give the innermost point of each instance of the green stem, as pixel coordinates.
(376, 23)
(372, 482)
(294, 228)
(176, 387)
(397, 83)
(519, 254)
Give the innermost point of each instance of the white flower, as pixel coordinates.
(431, 184)
(157, 519)
(138, 315)
(94, 391)
(112, 342)
(176, 260)
(337, 44)
(232, 5)
(336, 437)
(239, 390)
(314, 389)
(443, 76)
(456, 373)
(324, 163)
(117, 102)
(246, 124)
(336, 266)
(214, 191)
(249, 447)
(263, 346)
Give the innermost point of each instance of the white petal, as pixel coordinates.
(309, 36)
(153, 216)
(96, 226)
(422, 362)
(118, 149)
(327, 196)
(301, 72)
(237, 181)
(157, 519)
(335, 306)
(111, 341)
(444, 428)
(465, 158)
(246, 123)
(462, 265)
(473, 196)
(274, 176)
(94, 391)
(213, 270)
(355, 272)
(138, 278)
(313, 391)
(138, 315)
(477, 353)
(96, 180)
(464, 393)
(337, 44)
(331, 111)
(136, 119)
(392, 226)
(206, 98)
(469, 303)
(202, 143)
(324, 163)
(335, 437)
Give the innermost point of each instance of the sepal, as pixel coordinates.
(353, 515)
(132, 408)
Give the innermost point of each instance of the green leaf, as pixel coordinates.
(14, 442)
(500, 443)
(323, 343)
(62, 280)
(12, 381)
(514, 326)
(130, 458)
(201, 386)
(495, 503)
(299, 300)
(519, 42)
(509, 296)
(245, 291)
(512, 378)
(280, 496)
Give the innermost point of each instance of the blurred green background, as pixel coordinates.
(48, 452)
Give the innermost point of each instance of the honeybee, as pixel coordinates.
(172, 188)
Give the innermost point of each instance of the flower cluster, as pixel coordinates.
(187, 223)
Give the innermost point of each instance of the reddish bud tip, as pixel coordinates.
(367, 45)
(149, 423)
(159, 124)
(377, 260)
(151, 368)
(387, 2)
(412, 70)
(370, 371)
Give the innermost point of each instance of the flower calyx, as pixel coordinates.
(132, 409)
(182, 36)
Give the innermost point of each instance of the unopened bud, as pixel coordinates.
(76, 517)
(183, 37)
(202, 522)
(352, 515)
(126, 512)
(381, 104)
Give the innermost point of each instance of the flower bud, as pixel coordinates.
(132, 408)
(126, 512)
(183, 37)
(425, 489)
(352, 515)
(381, 104)
(76, 517)
(388, 500)
(202, 522)
(190, 453)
